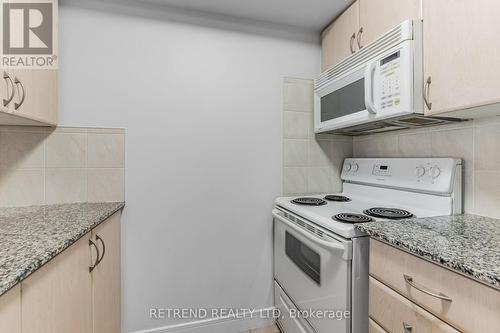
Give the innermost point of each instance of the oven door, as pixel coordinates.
(314, 269)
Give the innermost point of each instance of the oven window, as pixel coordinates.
(304, 257)
(344, 101)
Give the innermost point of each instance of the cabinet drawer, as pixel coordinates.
(398, 314)
(373, 327)
(474, 307)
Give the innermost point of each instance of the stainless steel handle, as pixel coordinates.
(407, 328)
(8, 79)
(358, 38)
(427, 90)
(337, 246)
(21, 101)
(411, 283)
(91, 243)
(351, 43)
(103, 249)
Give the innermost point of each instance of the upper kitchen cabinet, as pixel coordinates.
(376, 17)
(363, 22)
(461, 53)
(338, 40)
(28, 66)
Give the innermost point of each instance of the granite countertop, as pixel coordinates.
(31, 236)
(469, 244)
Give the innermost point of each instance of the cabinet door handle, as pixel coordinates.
(427, 88)
(103, 249)
(409, 280)
(407, 328)
(21, 101)
(8, 79)
(91, 243)
(351, 43)
(358, 39)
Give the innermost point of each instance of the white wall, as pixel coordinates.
(202, 107)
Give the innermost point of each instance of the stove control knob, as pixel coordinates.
(348, 167)
(355, 167)
(420, 171)
(435, 172)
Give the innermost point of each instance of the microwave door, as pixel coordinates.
(342, 102)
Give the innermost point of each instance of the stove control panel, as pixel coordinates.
(436, 175)
(381, 170)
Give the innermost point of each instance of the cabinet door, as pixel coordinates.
(376, 17)
(58, 297)
(10, 311)
(35, 94)
(336, 39)
(461, 53)
(106, 277)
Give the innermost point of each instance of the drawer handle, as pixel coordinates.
(8, 79)
(409, 280)
(103, 249)
(427, 92)
(358, 39)
(407, 328)
(91, 243)
(351, 43)
(21, 101)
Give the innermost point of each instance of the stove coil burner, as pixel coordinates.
(352, 218)
(339, 198)
(309, 201)
(388, 213)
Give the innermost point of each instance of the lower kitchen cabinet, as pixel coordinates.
(10, 311)
(79, 290)
(58, 296)
(408, 290)
(398, 314)
(106, 278)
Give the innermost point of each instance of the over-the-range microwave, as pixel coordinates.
(379, 88)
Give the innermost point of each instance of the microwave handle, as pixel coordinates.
(369, 73)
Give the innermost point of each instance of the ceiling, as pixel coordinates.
(312, 15)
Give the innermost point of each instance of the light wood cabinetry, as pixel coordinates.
(363, 22)
(376, 17)
(10, 311)
(465, 304)
(28, 73)
(398, 314)
(78, 291)
(106, 280)
(373, 327)
(35, 95)
(461, 53)
(58, 297)
(338, 40)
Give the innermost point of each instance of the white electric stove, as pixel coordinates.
(321, 260)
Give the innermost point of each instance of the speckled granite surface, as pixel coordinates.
(31, 236)
(469, 244)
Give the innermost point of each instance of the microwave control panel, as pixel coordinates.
(390, 87)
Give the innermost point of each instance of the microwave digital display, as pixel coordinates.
(389, 58)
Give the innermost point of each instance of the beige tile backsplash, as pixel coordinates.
(311, 163)
(476, 142)
(46, 166)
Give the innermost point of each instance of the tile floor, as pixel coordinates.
(268, 329)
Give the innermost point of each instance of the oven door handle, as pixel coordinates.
(335, 247)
